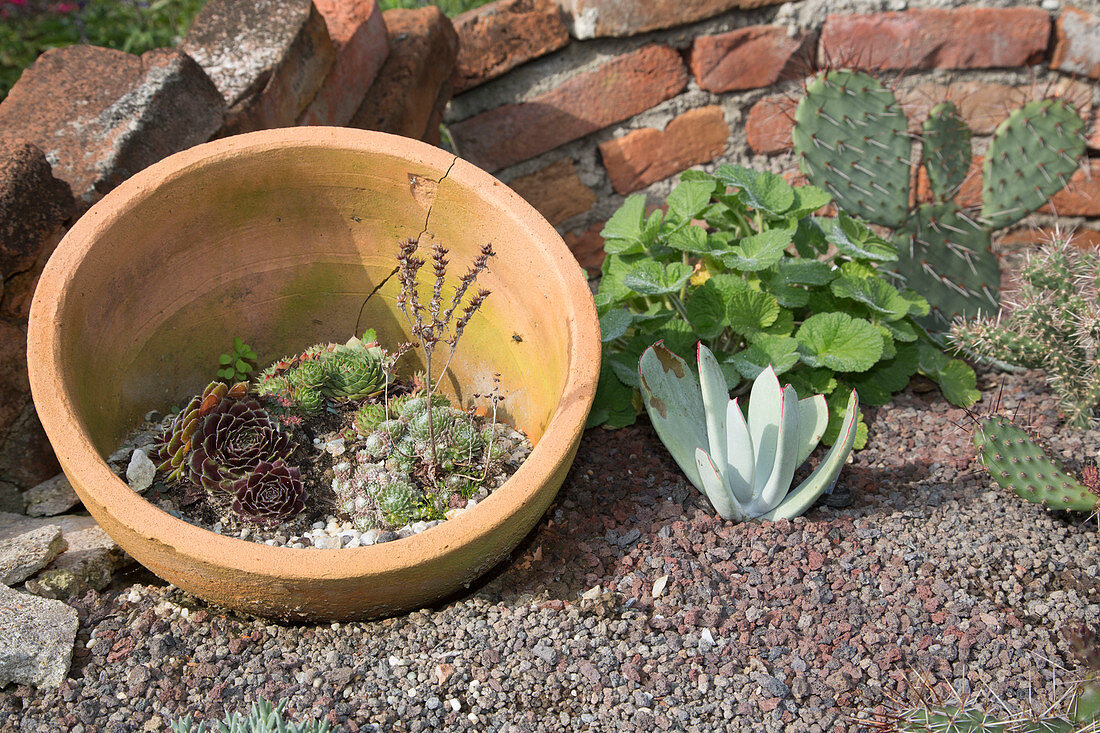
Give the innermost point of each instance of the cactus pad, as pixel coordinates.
(851, 138)
(946, 150)
(1033, 154)
(1015, 462)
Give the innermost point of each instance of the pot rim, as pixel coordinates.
(78, 457)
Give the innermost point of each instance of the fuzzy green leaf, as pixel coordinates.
(727, 285)
(225, 359)
(878, 295)
(758, 251)
(839, 342)
(781, 352)
(901, 330)
(690, 238)
(854, 239)
(809, 382)
(614, 324)
(226, 373)
(759, 189)
(958, 383)
(614, 402)
(653, 278)
(918, 305)
(750, 311)
(809, 238)
(797, 271)
(706, 311)
(623, 232)
(808, 199)
(878, 385)
(838, 407)
(688, 199)
(242, 367)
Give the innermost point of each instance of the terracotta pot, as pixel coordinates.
(279, 237)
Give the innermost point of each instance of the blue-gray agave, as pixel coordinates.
(745, 467)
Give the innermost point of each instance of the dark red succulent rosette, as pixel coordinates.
(232, 441)
(271, 494)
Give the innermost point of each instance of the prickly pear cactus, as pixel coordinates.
(852, 139)
(1015, 462)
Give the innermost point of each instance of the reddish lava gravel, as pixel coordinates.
(916, 563)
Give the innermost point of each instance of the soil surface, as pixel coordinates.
(919, 564)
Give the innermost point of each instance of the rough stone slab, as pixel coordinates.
(642, 157)
(1077, 43)
(101, 116)
(25, 554)
(598, 18)
(26, 456)
(556, 191)
(361, 44)
(930, 38)
(749, 58)
(36, 639)
(267, 58)
(589, 101)
(416, 76)
(52, 496)
(502, 35)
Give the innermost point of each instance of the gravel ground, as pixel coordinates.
(793, 625)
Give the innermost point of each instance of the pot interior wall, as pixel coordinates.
(282, 248)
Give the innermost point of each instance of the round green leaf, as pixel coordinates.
(875, 293)
(839, 342)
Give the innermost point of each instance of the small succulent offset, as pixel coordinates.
(1053, 324)
(237, 366)
(263, 718)
(853, 140)
(1017, 463)
(745, 467)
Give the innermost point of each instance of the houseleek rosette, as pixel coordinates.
(232, 441)
(743, 466)
(271, 494)
(174, 442)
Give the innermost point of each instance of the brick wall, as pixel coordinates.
(574, 103)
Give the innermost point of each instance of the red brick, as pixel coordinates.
(748, 58)
(268, 58)
(1077, 43)
(590, 101)
(1027, 236)
(642, 157)
(984, 105)
(587, 247)
(406, 94)
(502, 35)
(556, 191)
(361, 45)
(769, 124)
(966, 38)
(101, 115)
(598, 18)
(1081, 197)
(969, 194)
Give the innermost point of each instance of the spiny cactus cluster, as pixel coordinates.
(1017, 463)
(1052, 324)
(378, 485)
(852, 140)
(339, 372)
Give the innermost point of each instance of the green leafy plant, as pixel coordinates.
(745, 467)
(237, 366)
(740, 263)
(853, 140)
(1052, 324)
(263, 718)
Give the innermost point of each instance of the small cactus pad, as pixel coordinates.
(946, 150)
(1015, 462)
(946, 257)
(852, 140)
(1033, 154)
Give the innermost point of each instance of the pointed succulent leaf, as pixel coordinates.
(839, 342)
(715, 489)
(825, 475)
(674, 401)
(765, 414)
(740, 456)
(781, 472)
(813, 417)
(716, 397)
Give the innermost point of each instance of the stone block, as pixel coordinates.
(52, 496)
(267, 58)
(589, 101)
(406, 95)
(931, 38)
(101, 116)
(749, 58)
(25, 554)
(1077, 43)
(769, 123)
(598, 18)
(361, 45)
(642, 157)
(502, 35)
(36, 639)
(556, 191)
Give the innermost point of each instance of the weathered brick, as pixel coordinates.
(407, 92)
(969, 194)
(1077, 43)
(587, 247)
(502, 35)
(1082, 237)
(587, 102)
(642, 157)
(752, 57)
(556, 191)
(985, 105)
(268, 58)
(1081, 197)
(928, 38)
(598, 18)
(361, 45)
(769, 123)
(101, 115)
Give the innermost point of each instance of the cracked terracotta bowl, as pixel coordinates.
(279, 237)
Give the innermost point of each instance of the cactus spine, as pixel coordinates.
(852, 139)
